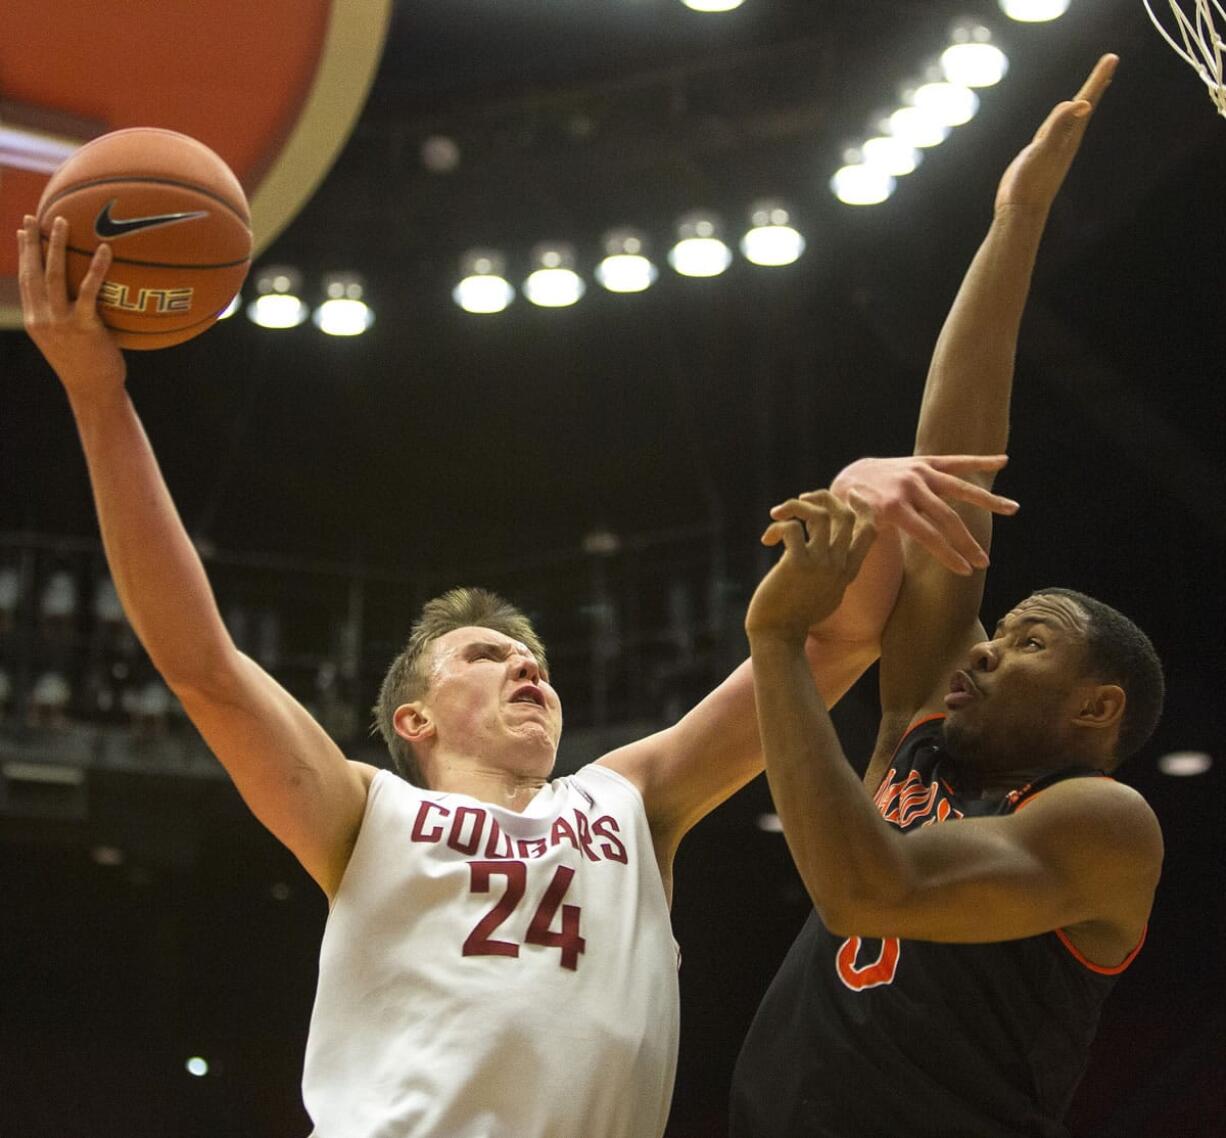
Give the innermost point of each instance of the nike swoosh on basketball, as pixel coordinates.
(107, 227)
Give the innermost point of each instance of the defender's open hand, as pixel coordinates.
(912, 494)
(824, 543)
(1035, 176)
(69, 333)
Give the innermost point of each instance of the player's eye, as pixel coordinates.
(1032, 641)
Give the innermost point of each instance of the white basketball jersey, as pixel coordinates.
(493, 974)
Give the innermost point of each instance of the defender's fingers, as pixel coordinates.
(863, 532)
(773, 534)
(815, 520)
(1068, 120)
(803, 504)
(843, 516)
(1093, 89)
(87, 294)
(1054, 121)
(792, 508)
(793, 537)
(817, 497)
(862, 540)
(819, 522)
(956, 489)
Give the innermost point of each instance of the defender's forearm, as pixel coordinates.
(966, 398)
(843, 851)
(157, 572)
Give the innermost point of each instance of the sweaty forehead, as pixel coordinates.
(453, 643)
(1052, 609)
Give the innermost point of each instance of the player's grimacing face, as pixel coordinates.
(1014, 699)
(486, 687)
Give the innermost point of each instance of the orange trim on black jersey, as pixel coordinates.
(917, 725)
(898, 747)
(1099, 968)
(1064, 937)
(1026, 799)
(911, 730)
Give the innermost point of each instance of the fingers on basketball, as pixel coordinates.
(180, 223)
(87, 295)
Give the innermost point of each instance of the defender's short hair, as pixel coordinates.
(1118, 652)
(408, 677)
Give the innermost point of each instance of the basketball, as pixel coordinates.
(178, 224)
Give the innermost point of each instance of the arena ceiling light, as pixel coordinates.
(1185, 764)
(895, 156)
(858, 184)
(949, 104)
(231, 308)
(713, 5)
(917, 127)
(700, 250)
(626, 266)
(344, 312)
(483, 287)
(972, 59)
(772, 239)
(278, 303)
(1034, 11)
(553, 282)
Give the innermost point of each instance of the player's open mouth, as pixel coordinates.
(529, 693)
(962, 690)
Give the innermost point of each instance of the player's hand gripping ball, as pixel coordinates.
(177, 222)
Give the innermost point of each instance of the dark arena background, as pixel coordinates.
(606, 465)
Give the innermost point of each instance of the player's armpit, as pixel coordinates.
(291, 775)
(1084, 854)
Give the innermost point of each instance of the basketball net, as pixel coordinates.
(1202, 46)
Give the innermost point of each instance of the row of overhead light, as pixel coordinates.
(942, 98)
(342, 310)
(1024, 11)
(626, 267)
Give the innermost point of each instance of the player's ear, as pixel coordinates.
(1102, 707)
(413, 722)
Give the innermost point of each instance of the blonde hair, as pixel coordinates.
(408, 677)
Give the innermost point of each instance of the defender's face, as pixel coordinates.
(487, 690)
(1012, 705)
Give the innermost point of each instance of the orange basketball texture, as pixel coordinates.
(178, 224)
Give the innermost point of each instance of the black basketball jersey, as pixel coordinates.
(875, 1038)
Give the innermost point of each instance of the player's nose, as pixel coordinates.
(526, 668)
(983, 657)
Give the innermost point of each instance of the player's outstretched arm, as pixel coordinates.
(966, 399)
(966, 407)
(290, 773)
(688, 769)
